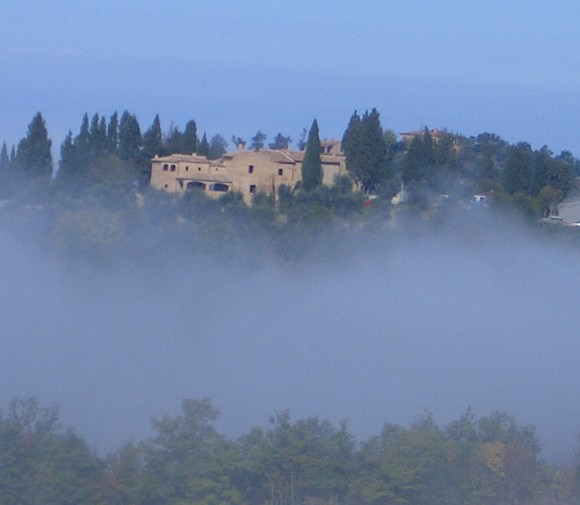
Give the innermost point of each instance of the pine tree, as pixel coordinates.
(258, 141)
(33, 156)
(280, 142)
(312, 165)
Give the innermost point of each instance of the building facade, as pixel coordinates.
(247, 172)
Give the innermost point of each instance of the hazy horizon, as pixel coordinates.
(509, 69)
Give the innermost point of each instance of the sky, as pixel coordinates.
(510, 68)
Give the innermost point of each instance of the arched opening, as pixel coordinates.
(218, 186)
(195, 185)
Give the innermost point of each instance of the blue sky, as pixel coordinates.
(511, 68)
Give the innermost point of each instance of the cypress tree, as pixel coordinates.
(366, 150)
(173, 140)
(4, 169)
(377, 163)
(33, 156)
(129, 137)
(97, 137)
(312, 165)
(113, 134)
(203, 149)
(153, 139)
(414, 168)
(189, 138)
(68, 164)
(82, 140)
(4, 159)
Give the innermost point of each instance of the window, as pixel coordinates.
(186, 169)
(250, 169)
(165, 167)
(280, 171)
(252, 188)
(199, 169)
(173, 168)
(220, 187)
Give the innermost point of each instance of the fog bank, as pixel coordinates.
(402, 323)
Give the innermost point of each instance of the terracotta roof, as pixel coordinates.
(325, 158)
(277, 156)
(274, 155)
(186, 158)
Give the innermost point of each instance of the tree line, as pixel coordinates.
(112, 147)
(457, 166)
(98, 204)
(492, 460)
(114, 151)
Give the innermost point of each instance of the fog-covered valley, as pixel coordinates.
(373, 328)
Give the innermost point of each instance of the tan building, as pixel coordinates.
(179, 172)
(436, 135)
(247, 172)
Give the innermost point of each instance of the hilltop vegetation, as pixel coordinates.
(98, 202)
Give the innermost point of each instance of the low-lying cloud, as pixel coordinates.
(439, 320)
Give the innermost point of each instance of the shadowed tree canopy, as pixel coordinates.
(203, 148)
(280, 142)
(33, 156)
(153, 139)
(217, 147)
(4, 159)
(189, 138)
(366, 151)
(129, 137)
(258, 141)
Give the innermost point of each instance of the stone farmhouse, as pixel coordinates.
(247, 172)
